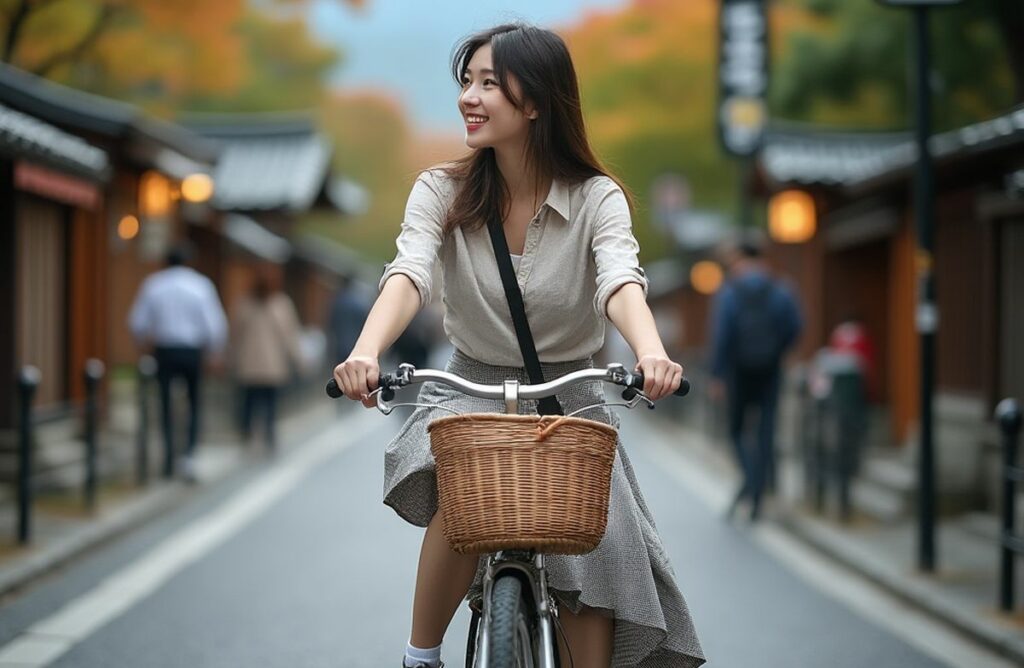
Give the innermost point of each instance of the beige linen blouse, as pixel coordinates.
(579, 250)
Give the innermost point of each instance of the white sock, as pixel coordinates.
(414, 655)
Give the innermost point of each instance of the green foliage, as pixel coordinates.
(852, 67)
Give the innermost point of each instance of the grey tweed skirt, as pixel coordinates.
(627, 576)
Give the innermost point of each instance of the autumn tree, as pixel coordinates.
(648, 76)
(165, 54)
(371, 140)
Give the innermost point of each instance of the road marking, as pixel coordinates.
(855, 592)
(48, 639)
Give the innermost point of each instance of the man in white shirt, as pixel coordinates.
(178, 314)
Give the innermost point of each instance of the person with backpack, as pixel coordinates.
(756, 320)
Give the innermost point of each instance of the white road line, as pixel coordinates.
(859, 594)
(45, 641)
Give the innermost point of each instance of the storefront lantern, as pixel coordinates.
(791, 217)
(197, 188)
(154, 195)
(706, 277)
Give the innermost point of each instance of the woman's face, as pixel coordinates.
(491, 119)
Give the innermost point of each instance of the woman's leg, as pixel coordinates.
(590, 636)
(442, 581)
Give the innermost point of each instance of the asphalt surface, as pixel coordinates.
(324, 575)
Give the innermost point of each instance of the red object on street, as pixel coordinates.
(852, 337)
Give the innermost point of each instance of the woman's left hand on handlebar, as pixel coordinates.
(661, 375)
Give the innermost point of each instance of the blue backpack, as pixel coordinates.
(758, 337)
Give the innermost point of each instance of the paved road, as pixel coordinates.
(299, 564)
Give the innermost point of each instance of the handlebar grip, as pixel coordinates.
(681, 391)
(334, 392)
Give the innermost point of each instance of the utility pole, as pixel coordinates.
(927, 316)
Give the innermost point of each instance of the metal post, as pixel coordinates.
(820, 455)
(147, 370)
(28, 381)
(1008, 413)
(927, 314)
(93, 375)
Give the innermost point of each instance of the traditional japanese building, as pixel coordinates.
(863, 260)
(273, 169)
(127, 234)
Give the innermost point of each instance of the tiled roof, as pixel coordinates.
(78, 110)
(285, 173)
(267, 163)
(246, 233)
(24, 136)
(808, 155)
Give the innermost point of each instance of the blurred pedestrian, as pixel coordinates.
(756, 320)
(178, 314)
(266, 352)
(851, 337)
(348, 313)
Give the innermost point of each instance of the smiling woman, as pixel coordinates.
(531, 178)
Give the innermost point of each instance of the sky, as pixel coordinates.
(403, 46)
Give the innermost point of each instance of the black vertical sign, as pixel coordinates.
(742, 75)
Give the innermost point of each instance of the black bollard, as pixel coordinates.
(93, 375)
(147, 371)
(1008, 414)
(28, 381)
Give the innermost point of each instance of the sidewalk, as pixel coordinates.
(963, 593)
(62, 529)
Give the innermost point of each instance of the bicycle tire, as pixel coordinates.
(512, 633)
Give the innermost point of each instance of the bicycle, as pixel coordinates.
(514, 622)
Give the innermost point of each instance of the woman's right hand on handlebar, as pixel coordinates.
(357, 376)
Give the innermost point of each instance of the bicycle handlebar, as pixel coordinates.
(615, 374)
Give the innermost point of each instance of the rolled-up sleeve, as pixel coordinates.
(615, 247)
(419, 242)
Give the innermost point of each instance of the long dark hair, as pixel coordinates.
(556, 146)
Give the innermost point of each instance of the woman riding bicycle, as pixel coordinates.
(568, 228)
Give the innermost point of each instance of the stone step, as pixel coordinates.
(878, 501)
(891, 473)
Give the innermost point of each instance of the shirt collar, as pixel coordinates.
(558, 198)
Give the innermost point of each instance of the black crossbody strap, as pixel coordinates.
(547, 405)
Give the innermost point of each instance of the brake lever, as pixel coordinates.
(635, 397)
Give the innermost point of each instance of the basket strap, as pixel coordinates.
(547, 405)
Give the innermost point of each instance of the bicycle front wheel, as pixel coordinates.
(513, 625)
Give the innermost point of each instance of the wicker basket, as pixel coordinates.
(522, 481)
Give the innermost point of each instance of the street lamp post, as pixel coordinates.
(927, 316)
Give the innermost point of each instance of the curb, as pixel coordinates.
(844, 551)
(1003, 642)
(149, 505)
(119, 521)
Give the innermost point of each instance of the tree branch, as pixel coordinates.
(106, 13)
(21, 12)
